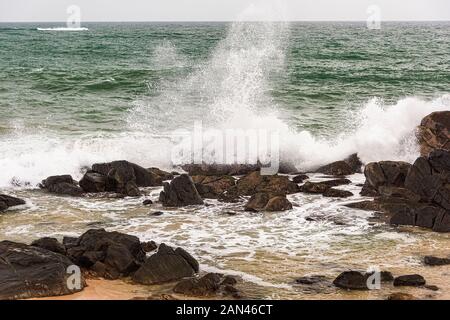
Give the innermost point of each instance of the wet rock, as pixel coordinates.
(205, 286)
(121, 254)
(336, 193)
(180, 192)
(266, 202)
(161, 175)
(368, 191)
(9, 201)
(431, 287)
(434, 132)
(69, 242)
(323, 186)
(364, 205)
(255, 183)
(278, 203)
(189, 258)
(63, 185)
(430, 178)
(149, 246)
(386, 173)
(211, 284)
(211, 187)
(219, 169)
(147, 202)
(349, 166)
(286, 167)
(164, 266)
(397, 192)
(414, 280)
(401, 296)
(123, 171)
(385, 276)
(435, 261)
(50, 244)
(32, 272)
(257, 202)
(351, 280)
(157, 213)
(94, 182)
(311, 280)
(300, 178)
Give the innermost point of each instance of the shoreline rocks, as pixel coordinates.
(434, 132)
(32, 272)
(62, 185)
(180, 192)
(9, 201)
(348, 166)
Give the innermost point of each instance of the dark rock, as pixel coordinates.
(219, 169)
(164, 266)
(121, 254)
(336, 193)
(431, 287)
(350, 165)
(50, 244)
(70, 242)
(32, 272)
(124, 171)
(385, 276)
(229, 280)
(351, 280)
(430, 178)
(400, 296)
(63, 185)
(257, 202)
(180, 192)
(397, 192)
(149, 246)
(147, 202)
(211, 187)
(414, 280)
(368, 191)
(434, 132)
(255, 183)
(386, 173)
(323, 186)
(311, 280)
(94, 182)
(205, 286)
(157, 213)
(300, 178)
(278, 203)
(161, 174)
(435, 261)
(189, 258)
(338, 168)
(9, 201)
(286, 167)
(442, 222)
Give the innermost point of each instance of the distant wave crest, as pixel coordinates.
(63, 29)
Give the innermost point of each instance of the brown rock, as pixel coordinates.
(434, 132)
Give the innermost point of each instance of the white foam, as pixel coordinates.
(63, 29)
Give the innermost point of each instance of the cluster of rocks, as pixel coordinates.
(121, 177)
(41, 269)
(416, 195)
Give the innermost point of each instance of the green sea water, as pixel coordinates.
(136, 79)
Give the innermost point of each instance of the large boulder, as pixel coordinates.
(166, 265)
(413, 280)
(109, 254)
(9, 201)
(255, 182)
(430, 178)
(434, 132)
(211, 284)
(211, 187)
(63, 185)
(386, 173)
(32, 272)
(350, 165)
(351, 280)
(266, 202)
(181, 191)
(50, 244)
(96, 182)
(219, 169)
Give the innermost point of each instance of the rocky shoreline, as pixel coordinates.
(406, 194)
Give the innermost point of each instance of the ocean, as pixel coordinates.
(120, 91)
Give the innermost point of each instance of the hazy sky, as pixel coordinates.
(220, 10)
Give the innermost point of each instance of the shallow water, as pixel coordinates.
(267, 250)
